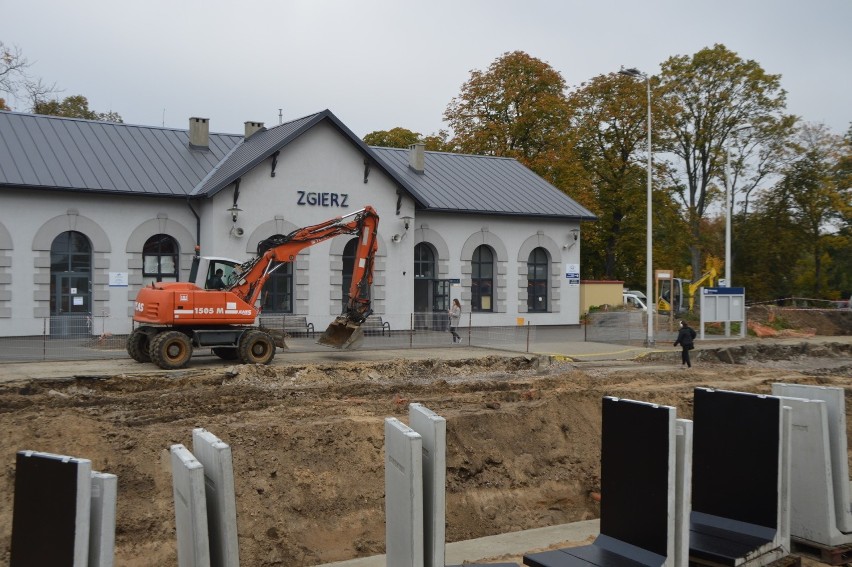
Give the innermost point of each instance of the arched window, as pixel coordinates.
(160, 259)
(277, 292)
(70, 274)
(482, 279)
(538, 269)
(424, 262)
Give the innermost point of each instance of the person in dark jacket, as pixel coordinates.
(686, 339)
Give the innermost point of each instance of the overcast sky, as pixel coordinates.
(378, 64)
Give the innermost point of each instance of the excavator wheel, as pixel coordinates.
(137, 346)
(171, 350)
(226, 353)
(256, 347)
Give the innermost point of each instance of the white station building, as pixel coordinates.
(92, 211)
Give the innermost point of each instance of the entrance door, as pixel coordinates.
(71, 300)
(70, 287)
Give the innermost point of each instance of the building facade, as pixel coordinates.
(91, 211)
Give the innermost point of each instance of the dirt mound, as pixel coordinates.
(523, 443)
(771, 321)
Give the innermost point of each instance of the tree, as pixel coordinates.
(15, 79)
(608, 129)
(716, 93)
(403, 138)
(74, 107)
(816, 191)
(517, 108)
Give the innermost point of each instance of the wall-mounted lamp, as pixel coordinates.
(572, 239)
(235, 212)
(407, 221)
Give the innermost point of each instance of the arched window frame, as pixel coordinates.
(538, 280)
(160, 259)
(482, 279)
(278, 291)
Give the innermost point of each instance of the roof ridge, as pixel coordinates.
(108, 122)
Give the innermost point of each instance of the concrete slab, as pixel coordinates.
(215, 456)
(102, 524)
(52, 503)
(403, 495)
(193, 547)
(433, 432)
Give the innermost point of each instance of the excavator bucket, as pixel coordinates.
(343, 333)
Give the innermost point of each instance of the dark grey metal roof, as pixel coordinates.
(48, 152)
(459, 183)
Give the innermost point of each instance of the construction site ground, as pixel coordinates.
(523, 435)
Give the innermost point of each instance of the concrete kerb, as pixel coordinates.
(513, 544)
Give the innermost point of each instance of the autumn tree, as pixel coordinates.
(608, 133)
(74, 107)
(516, 108)
(403, 138)
(716, 94)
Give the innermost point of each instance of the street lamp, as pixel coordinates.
(649, 274)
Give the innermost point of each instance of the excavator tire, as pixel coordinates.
(171, 350)
(226, 353)
(137, 346)
(256, 347)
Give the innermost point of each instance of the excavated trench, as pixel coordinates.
(522, 441)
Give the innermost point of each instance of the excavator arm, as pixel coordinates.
(707, 279)
(248, 278)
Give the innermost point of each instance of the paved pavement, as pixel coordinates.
(560, 343)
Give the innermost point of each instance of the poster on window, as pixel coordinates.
(572, 274)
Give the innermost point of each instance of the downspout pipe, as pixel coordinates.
(193, 271)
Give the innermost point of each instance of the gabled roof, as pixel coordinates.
(48, 152)
(458, 183)
(264, 143)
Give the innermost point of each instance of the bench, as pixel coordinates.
(293, 325)
(375, 326)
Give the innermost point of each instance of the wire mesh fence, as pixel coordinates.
(84, 337)
(626, 327)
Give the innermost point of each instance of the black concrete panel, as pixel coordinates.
(45, 512)
(635, 473)
(582, 556)
(735, 456)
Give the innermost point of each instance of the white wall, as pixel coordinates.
(320, 161)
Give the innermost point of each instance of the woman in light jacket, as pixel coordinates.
(455, 316)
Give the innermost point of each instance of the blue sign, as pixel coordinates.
(723, 290)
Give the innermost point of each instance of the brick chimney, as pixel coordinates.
(417, 157)
(199, 133)
(252, 127)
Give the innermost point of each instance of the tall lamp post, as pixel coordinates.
(649, 254)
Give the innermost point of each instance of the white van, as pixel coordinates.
(632, 301)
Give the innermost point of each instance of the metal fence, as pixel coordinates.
(84, 338)
(626, 327)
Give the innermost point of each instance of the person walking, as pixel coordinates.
(686, 340)
(455, 316)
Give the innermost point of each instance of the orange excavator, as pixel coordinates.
(175, 317)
